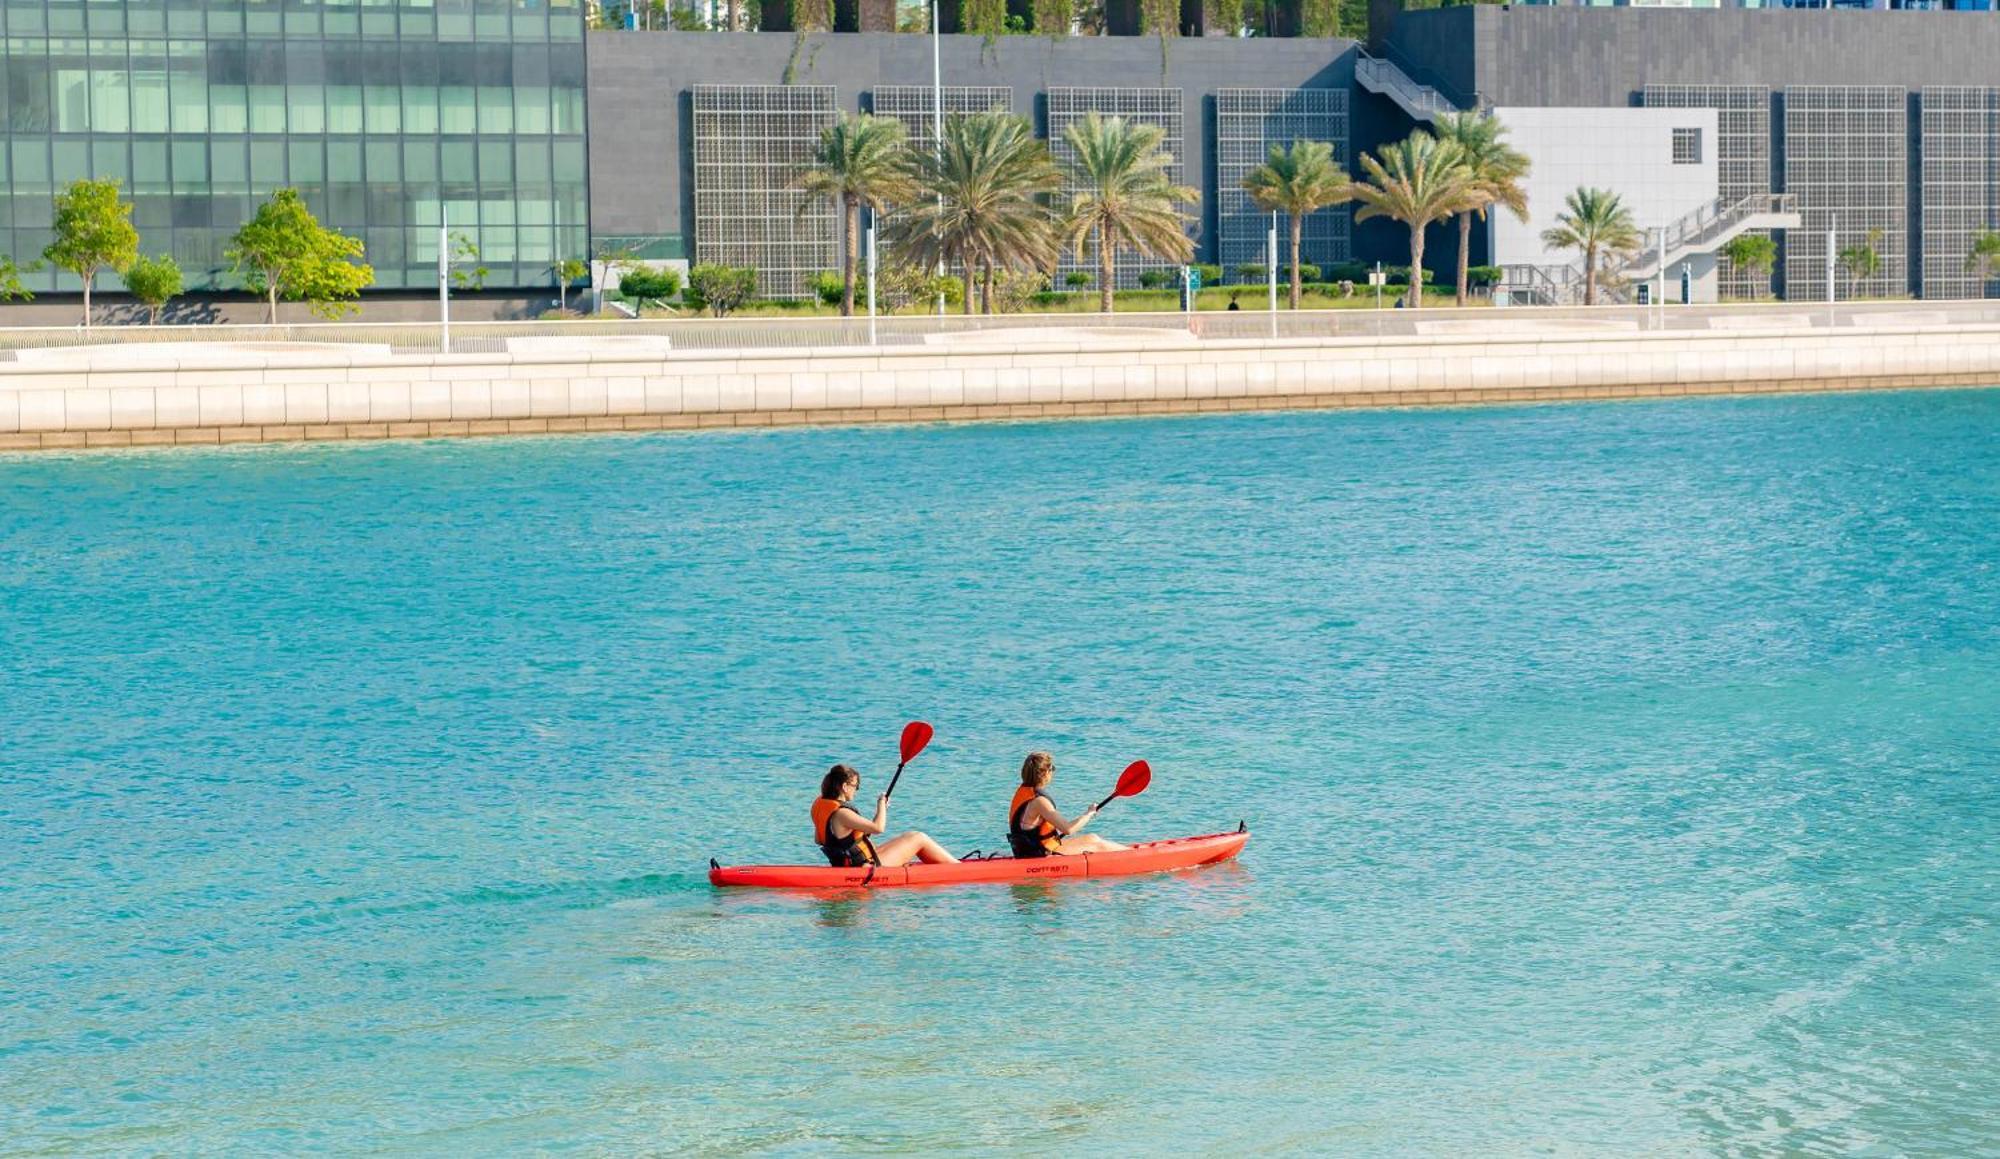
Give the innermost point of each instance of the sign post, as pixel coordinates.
(871, 280)
(444, 283)
(1378, 278)
(1271, 270)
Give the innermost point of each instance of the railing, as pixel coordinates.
(1693, 232)
(708, 337)
(1428, 77)
(1382, 76)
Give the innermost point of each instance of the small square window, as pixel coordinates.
(1687, 146)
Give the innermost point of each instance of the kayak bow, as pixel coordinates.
(1149, 857)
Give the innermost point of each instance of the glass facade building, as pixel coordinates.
(384, 114)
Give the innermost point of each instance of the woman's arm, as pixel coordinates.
(1046, 812)
(856, 823)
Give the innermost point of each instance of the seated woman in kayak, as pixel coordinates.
(843, 834)
(1035, 829)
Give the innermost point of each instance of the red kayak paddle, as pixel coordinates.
(1131, 782)
(916, 735)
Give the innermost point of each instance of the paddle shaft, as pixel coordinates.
(891, 790)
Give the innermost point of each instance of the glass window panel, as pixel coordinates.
(65, 19)
(343, 108)
(496, 163)
(566, 107)
(29, 160)
(307, 161)
(187, 92)
(190, 160)
(267, 165)
(149, 98)
(384, 109)
(224, 24)
(267, 108)
(569, 160)
(531, 109)
(110, 100)
(496, 243)
(420, 161)
(228, 163)
(149, 166)
(72, 162)
(496, 110)
(343, 160)
(107, 159)
(385, 162)
(531, 162)
(457, 163)
(72, 100)
(306, 108)
(420, 108)
(27, 91)
(457, 113)
(228, 108)
(26, 19)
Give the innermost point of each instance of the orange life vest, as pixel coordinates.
(1038, 841)
(849, 852)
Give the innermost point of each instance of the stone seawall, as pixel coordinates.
(138, 395)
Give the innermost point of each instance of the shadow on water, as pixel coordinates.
(554, 895)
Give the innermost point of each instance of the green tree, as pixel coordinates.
(1296, 181)
(94, 231)
(1497, 170)
(1755, 254)
(1595, 222)
(284, 252)
(1416, 181)
(861, 160)
(1124, 199)
(1861, 262)
(11, 289)
(644, 286)
(719, 289)
(155, 282)
(1984, 257)
(569, 271)
(993, 180)
(467, 273)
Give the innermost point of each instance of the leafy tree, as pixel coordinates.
(1861, 262)
(1251, 272)
(569, 271)
(1595, 222)
(155, 282)
(1124, 198)
(93, 232)
(1497, 170)
(1155, 279)
(1984, 258)
(1306, 271)
(284, 252)
(993, 179)
(466, 271)
(1211, 275)
(11, 289)
(861, 160)
(1416, 181)
(645, 286)
(1297, 180)
(830, 288)
(719, 289)
(1076, 279)
(1753, 253)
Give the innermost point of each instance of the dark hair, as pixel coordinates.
(838, 775)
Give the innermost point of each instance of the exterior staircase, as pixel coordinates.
(1704, 230)
(1419, 102)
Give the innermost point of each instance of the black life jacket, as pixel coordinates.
(1042, 839)
(850, 852)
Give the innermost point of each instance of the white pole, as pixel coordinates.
(1832, 232)
(1271, 270)
(937, 129)
(444, 282)
(871, 279)
(1660, 276)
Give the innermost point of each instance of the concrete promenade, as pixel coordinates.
(209, 393)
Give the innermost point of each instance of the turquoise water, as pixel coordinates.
(1622, 780)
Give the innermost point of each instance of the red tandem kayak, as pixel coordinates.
(1150, 857)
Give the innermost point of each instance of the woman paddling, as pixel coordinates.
(1035, 829)
(843, 834)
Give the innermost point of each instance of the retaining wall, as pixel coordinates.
(157, 396)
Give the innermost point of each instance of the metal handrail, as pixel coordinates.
(1390, 76)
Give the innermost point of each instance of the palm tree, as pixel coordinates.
(1497, 170)
(1417, 181)
(860, 161)
(1594, 221)
(994, 179)
(1861, 262)
(1295, 181)
(1984, 258)
(1123, 197)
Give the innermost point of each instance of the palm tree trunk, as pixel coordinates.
(970, 287)
(1105, 274)
(1415, 297)
(986, 289)
(1464, 251)
(1298, 227)
(853, 225)
(1590, 275)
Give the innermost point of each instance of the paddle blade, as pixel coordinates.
(916, 735)
(1134, 779)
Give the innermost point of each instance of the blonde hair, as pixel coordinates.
(1036, 769)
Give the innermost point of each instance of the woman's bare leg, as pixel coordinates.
(904, 848)
(1090, 843)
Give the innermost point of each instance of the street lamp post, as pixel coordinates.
(937, 132)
